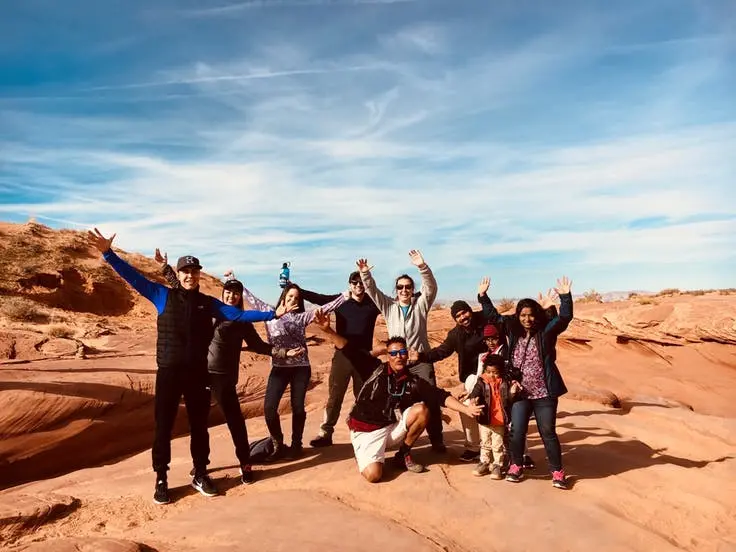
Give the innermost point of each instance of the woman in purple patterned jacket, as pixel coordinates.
(289, 333)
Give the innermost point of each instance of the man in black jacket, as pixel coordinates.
(355, 321)
(392, 409)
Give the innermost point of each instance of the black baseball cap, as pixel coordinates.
(188, 261)
(234, 285)
(354, 277)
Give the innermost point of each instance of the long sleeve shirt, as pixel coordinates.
(413, 326)
(288, 332)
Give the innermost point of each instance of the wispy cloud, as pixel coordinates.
(229, 9)
(519, 150)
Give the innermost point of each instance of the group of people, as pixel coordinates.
(506, 363)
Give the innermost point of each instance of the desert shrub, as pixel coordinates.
(633, 295)
(20, 309)
(727, 291)
(669, 291)
(591, 296)
(697, 292)
(647, 300)
(506, 304)
(60, 330)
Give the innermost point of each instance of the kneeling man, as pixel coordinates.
(393, 409)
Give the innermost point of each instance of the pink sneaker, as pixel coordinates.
(558, 480)
(515, 473)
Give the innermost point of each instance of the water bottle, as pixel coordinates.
(284, 275)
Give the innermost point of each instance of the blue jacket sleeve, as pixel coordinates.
(153, 291)
(236, 314)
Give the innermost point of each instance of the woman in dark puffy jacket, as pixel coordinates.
(532, 341)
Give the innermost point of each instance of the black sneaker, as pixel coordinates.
(528, 463)
(246, 474)
(321, 441)
(406, 462)
(161, 494)
(470, 456)
(439, 447)
(204, 485)
(295, 452)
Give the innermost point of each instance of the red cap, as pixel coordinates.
(490, 331)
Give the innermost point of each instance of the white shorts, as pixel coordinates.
(370, 446)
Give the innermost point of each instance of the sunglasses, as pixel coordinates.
(401, 352)
(404, 286)
(357, 283)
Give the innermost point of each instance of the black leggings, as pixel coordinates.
(226, 395)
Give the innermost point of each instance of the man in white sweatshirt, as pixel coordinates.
(406, 316)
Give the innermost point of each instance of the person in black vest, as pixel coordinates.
(223, 362)
(355, 321)
(185, 331)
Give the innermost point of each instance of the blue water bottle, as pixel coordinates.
(284, 275)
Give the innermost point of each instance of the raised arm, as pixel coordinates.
(317, 298)
(429, 284)
(166, 269)
(442, 351)
(559, 323)
(236, 314)
(308, 316)
(322, 319)
(154, 292)
(255, 301)
(489, 311)
(380, 299)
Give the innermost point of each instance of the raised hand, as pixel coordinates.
(282, 309)
(563, 286)
(416, 258)
(546, 300)
(363, 266)
(322, 319)
(99, 241)
(484, 284)
(295, 352)
(413, 355)
(229, 274)
(161, 259)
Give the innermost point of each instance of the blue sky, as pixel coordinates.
(521, 140)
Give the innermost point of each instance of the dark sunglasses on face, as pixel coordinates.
(358, 283)
(404, 286)
(401, 352)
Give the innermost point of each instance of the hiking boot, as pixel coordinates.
(321, 441)
(515, 473)
(161, 494)
(481, 469)
(204, 485)
(559, 481)
(469, 456)
(246, 474)
(528, 463)
(439, 447)
(404, 460)
(295, 452)
(496, 472)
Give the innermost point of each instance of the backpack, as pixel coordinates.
(260, 450)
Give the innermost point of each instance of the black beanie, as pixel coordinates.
(459, 306)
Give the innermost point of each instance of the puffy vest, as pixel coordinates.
(184, 331)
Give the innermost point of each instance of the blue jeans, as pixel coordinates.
(545, 412)
(297, 377)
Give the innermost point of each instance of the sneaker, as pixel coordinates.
(405, 461)
(161, 494)
(496, 472)
(439, 447)
(204, 485)
(515, 473)
(481, 469)
(246, 474)
(528, 463)
(295, 452)
(321, 441)
(469, 456)
(559, 481)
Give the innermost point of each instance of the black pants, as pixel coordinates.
(341, 372)
(545, 412)
(425, 370)
(171, 384)
(226, 395)
(297, 378)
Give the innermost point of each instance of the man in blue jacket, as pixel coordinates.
(185, 330)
